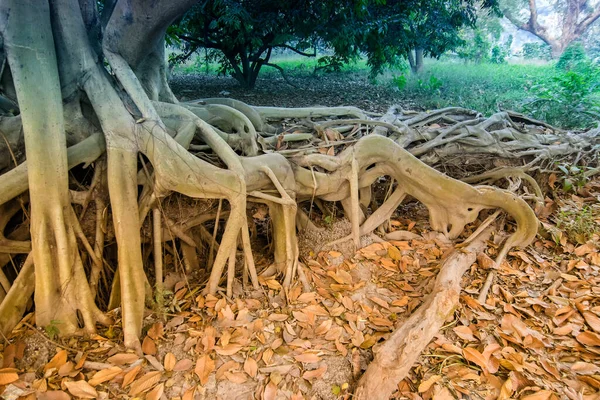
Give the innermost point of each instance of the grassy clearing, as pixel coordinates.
(483, 87)
(487, 88)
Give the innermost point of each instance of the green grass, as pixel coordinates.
(293, 65)
(482, 87)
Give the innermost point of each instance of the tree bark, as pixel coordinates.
(61, 286)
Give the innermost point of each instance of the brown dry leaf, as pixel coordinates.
(278, 317)
(315, 373)
(442, 394)
(53, 395)
(270, 392)
(251, 367)
(8, 375)
(541, 395)
(475, 357)
(589, 338)
(592, 320)
(425, 385)
(148, 346)
(169, 362)
(381, 321)
(394, 253)
(584, 368)
(507, 390)
(204, 367)
(236, 377)
(81, 389)
(464, 333)
(145, 383)
(324, 327)
(130, 376)
(183, 365)
(123, 358)
(228, 349)
(105, 375)
(380, 302)
(189, 394)
(307, 358)
(156, 393)
(57, 361)
(156, 331)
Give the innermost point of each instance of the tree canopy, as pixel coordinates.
(245, 33)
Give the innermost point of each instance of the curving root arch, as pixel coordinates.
(100, 107)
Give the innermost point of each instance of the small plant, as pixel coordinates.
(52, 329)
(579, 225)
(329, 220)
(574, 177)
(400, 81)
(571, 98)
(498, 55)
(573, 57)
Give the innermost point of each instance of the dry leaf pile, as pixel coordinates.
(536, 337)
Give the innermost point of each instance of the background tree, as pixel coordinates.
(576, 17)
(246, 33)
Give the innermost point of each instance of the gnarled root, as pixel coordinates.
(396, 356)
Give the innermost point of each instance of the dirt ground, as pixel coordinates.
(321, 90)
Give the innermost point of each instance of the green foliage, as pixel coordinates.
(498, 55)
(537, 50)
(433, 84)
(484, 87)
(570, 98)
(477, 47)
(400, 81)
(572, 57)
(579, 225)
(52, 329)
(245, 33)
(573, 177)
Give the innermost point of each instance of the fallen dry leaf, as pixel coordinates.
(156, 393)
(251, 367)
(105, 375)
(123, 358)
(307, 358)
(145, 383)
(204, 367)
(315, 373)
(270, 392)
(131, 375)
(8, 376)
(425, 385)
(476, 358)
(183, 365)
(169, 362)
(57, 361)
(589, 338)
(81, 389)
(464, 333)
(148, 346)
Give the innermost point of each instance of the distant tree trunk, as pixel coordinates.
(573, 25)
(416, 60)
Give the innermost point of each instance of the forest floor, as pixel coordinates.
(536, 337)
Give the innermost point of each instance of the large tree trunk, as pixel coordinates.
(61, 286)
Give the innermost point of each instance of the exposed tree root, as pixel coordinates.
(224, 154)
(396, 356)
